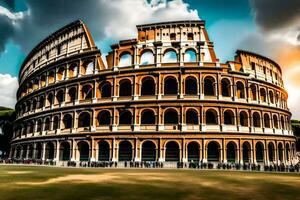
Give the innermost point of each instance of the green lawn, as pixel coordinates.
(30, 182)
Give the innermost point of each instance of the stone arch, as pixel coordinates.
(65, 151)
(170, 85)
(209, 86)
(125, 151)
(229, 118)
(148, 86)
(125, 59)
(148, 151)
(275, 121)
(271, 151)
(263, 95)
(246, 152)
(146, 57)
(60, 96)
(68, 121)
(256, 119)
(104, 118)
(190, 55)
(191, 116)
(84, 119)
(87, 92)
(226, 87)
(171, 116)
(259, 148)
(103, 151)
(125, 88)
(49, 151)
(125, 117)
(83, 150)
(191, 86)
(193, 149)
(147, 116)
(280, 152)
(170, 56)
(105, 89)
(240, 90)
(72, 94)
(243, 118)
(267, 120)
(213, 151)
(231, 149)
(172, 151)
(211, 117)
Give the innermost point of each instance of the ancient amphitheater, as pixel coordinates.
(162, 97)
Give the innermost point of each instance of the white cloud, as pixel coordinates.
(8, 89)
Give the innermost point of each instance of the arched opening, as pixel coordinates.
(147, 58)
(87, 92)
(39, 126)
(190, 56)
(38, 149)
(243, 118)
(193, 152)
(55, 123)
(84, 151)
(259, 152)
(240, 90)
(51, 77)
(60, 96)
(125, 118)
(43, 81)
(256, 120)
(275, 121)
(169, 56)
(271, 96)
(282, 122)
(191, 117)
(148, 151)
(61, 74)
(148, 117)
(263, 95)
(24, 151)
(50, 99)
(211, 117)
(170, 86)
(73, 70)
(271, 151)
(105, 90)
(47, 124)
(72, 94)
(148, 86)
(104, 118)
(68, 121)
(280, 152)
(266, 121)
(41, 102)
(228, 117)
(34, 103)
(226, 91)
(171, 117)
(30, 151)
(246, 152)
(213, 154)
(125, 59)
(230, 152)
(172, 152)
(253, 92)
(88, 68)
(287, 151)
(125, 88)
(64, 151)
(49, 153)
(191, 86)
(125, 151)
(84, 120)
(103, 151)
(209, 88)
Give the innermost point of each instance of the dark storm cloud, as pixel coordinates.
(6, 31)
(10, 4)
(276, 14)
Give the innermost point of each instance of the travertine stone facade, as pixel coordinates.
(163, 96)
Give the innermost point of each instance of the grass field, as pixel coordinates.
(30, 182)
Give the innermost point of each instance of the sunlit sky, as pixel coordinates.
(268, 27)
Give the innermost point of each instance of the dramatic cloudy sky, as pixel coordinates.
(268, 27)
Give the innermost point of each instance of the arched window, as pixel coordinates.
(87, 92)
(88, 68)
(47, 124)
(125, 118)
(280, 152)
(55, 122)
(191, 86)
(148, 86)
(65, 152)
(263, 96)
(148, 151)
(230, 152)
(243, 118)
(282, 122)
(193, 152)
(170, 86)
(125, 151)
(213, 154)
(125, 88)
(84, 151)
(287, 151)
(84, 120)
(190, 56)
(271, 96)
(30, 127)
(209, 88)
(41, 102)
(228, 117)
(246, 152)
(73, 70)
(34, 103)
(256, 120)
(72, 94)
(49, 154)
(266, 121)
(172, 152)
(38, 151)
(61, 74)
(211, 117)
(60, 96)
(147, 58)
(39, 126)
(148, 117)
(240, 90)
(50, 99)
(43, 80)
(191, 117)
(271, 152)
(125, 59)
(253, 92)
(104, 118)
(171, 117)
(68, 121)
(105, 90)
(275, 121)
(226, 92)
(51, 77)
(104, 151)
(170, 56)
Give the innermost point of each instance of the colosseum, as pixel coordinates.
(161, 97)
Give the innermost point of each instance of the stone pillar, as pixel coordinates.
(44, 151)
